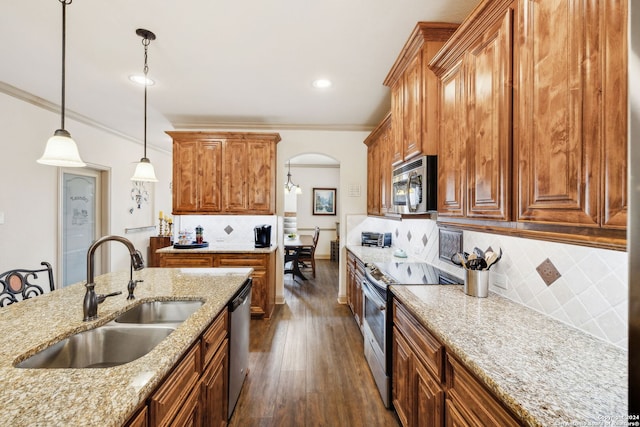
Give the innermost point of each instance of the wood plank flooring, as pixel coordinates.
(307, 365)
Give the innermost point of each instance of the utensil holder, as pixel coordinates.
(476, 283)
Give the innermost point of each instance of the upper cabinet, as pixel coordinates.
(532, 101)
(413, 93)
(379, 168)
(224, 172)
(571, 94)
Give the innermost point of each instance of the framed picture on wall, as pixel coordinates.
(324, 201)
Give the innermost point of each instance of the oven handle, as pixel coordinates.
(366, 288)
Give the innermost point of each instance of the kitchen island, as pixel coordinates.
(101, 396)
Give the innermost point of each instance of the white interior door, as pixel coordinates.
(80, 206)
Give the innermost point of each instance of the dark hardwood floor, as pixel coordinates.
(306, 364)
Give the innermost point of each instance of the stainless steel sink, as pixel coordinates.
(102, 347)
(160, 312)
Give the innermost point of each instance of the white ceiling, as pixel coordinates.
(235, 64)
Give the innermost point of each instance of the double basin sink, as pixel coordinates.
(128, 337)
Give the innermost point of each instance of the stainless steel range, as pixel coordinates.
(377, 300)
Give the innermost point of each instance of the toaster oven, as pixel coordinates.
(381, 240)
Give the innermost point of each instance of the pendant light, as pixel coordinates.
(144, 170)
(289, 185)
(61, 150)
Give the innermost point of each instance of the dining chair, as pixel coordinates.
(20, 284)
(308, 254)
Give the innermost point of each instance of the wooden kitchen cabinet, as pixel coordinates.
(571, 102)
(474, 164)
(263, 290)
(214, 394)
(155, 243)
(413, 91)
(224, 172)
(533, 120)
(418, 371)
(379, 169)
(355, 275)
(431, 388)
(469, 403)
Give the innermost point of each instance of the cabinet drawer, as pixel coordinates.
(241, 260)
(172, 394)
(213, 337)
(185, 260)
(472, 400)
(427, 348)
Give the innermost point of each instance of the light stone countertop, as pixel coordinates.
(371, 254)
(220, 248)
(546, 372)
(101, 396)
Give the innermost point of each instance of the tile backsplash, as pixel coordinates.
(227, 229)
(587, 287)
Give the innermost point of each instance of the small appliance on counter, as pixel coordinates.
(381, 240)
(262, 235)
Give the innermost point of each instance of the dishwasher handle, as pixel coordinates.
(242, 296)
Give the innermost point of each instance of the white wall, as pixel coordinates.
(29, 191)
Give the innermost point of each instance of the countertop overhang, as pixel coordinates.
(100, 396)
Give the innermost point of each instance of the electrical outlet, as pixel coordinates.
(498, 280)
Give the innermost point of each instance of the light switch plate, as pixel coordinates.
(1, 217)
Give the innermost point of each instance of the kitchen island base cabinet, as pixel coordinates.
(263, 293)
(194, 393)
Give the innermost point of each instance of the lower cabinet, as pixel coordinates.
(355, 274)
(195, 392)
(263, 291)
(430, 387)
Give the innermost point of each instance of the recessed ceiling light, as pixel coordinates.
(140, 79)
(321, 83)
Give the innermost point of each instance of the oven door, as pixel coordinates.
(374, 330)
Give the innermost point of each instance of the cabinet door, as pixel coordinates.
(260, 162)
(397, 151)
(558, 116)
(186, 260)
(209, 176)
(185, 175)
(234, 176)
(385, 171)
(263, 287)
(488, 153)
(214, 393)
(402, 396)
(452, 144)
(453, 417)
(373, 179)
(614, 111)
(429, 409)
(190, 414)
(412, 108)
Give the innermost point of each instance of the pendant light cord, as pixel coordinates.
(65, 3)
(145, 43)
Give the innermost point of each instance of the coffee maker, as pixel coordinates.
(262, 235)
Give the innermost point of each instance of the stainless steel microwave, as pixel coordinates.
(414, 186)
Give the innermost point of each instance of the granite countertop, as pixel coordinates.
(220, 248)
(546, 372)
(370, 254)
(100, 396)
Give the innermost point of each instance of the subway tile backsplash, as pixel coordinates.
(588, 289)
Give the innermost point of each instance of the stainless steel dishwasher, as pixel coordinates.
(240, 312)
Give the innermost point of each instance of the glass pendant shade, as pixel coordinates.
(62, 151)
(144, 171)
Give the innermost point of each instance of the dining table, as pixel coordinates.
(292, 248)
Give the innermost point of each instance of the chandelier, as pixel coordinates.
(289, 185)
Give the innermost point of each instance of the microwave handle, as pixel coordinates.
(411, 208)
